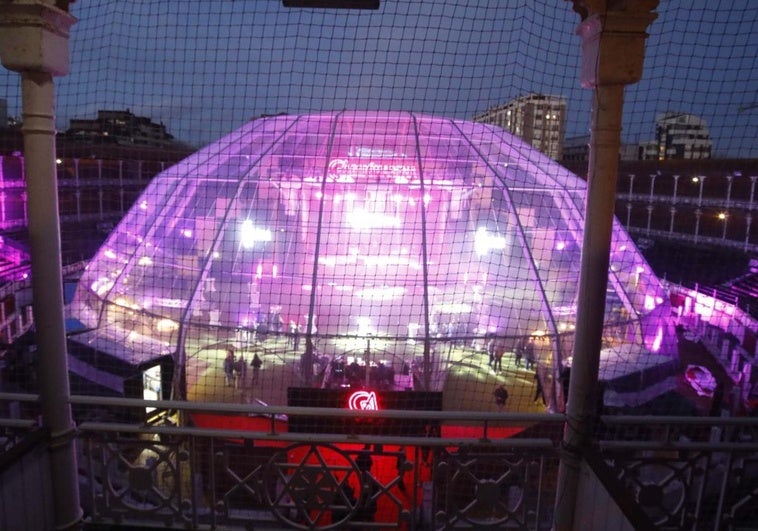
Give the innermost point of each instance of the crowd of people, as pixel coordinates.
(235, 369)
(382, 376)
(497, 347)
(354, 374)
(524, 351)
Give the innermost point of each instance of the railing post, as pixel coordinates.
(34, 42)
(613, 44)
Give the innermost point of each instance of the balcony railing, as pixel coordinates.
(660, 472)
(179, 476)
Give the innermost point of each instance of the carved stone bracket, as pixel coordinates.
(613, 40)
(34, 37)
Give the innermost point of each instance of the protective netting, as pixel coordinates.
(384, 209)
(292, 206)
(203, 69)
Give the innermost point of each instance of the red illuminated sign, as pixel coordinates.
(363, 400)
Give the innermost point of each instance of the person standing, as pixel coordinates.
(501, 396)
(363, 461)
(490, 342)
(520, 347)
(344, 503)
(400, 466)
(296, 339)
(539, 392)
(291, 334)
(240, 370)
(529, 353)
(229, 368)
(499, 351)
(256, 364)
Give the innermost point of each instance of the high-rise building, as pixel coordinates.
(537, 118)
(682, 136)
(648, 150)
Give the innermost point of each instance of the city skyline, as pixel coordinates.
(204, 74)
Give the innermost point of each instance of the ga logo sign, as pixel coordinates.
(363, 400)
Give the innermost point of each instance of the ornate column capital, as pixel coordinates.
(587, 8)
(613, 36)
(34, 36)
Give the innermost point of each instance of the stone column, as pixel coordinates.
(748, 222)
(672, 211)
(613, 34)
(725, 218)
(121, 191)
(698, 215)
(34, 42)
(701, 180)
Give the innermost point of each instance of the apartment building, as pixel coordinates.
(682, 136)
(538, 119)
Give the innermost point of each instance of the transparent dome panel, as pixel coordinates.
(635, 276)
(419, 235)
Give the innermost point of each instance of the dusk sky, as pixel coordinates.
(205, 68)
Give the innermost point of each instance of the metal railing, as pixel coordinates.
(183, 476)
(673, 472)
(684, 472)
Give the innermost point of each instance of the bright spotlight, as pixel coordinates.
(250, 235)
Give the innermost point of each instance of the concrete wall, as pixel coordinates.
(596, 509)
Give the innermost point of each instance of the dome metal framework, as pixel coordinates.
(415, 232)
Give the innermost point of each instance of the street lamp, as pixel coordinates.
(723, 216)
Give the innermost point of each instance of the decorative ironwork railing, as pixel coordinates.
(670, 472)
(460, 473)
(683, 472)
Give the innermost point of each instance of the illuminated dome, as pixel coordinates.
(413, 231)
